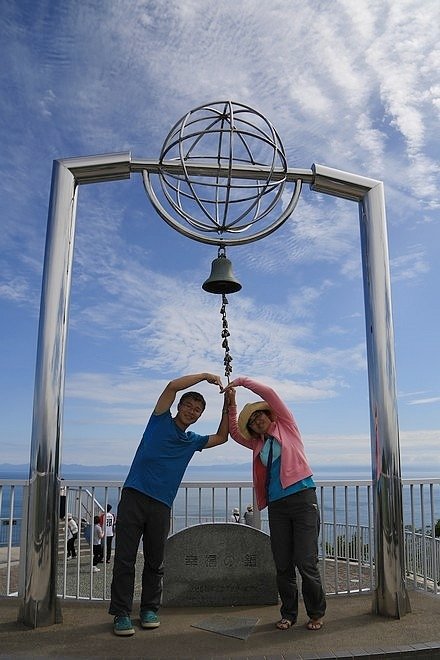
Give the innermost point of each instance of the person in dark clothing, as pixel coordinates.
(107, 522)
(144, 510)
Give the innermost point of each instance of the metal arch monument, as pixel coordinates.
(222, 171)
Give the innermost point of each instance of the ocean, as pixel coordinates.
(117, 473)
(340, 505)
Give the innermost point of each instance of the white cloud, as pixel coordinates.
(418, 450)
(428, 400)
(46, 102)
(16, 289)
(410, 266)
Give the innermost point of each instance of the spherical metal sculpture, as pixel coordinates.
(221, 176)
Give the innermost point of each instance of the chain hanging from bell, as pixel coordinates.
(223, 281)
(225, 334)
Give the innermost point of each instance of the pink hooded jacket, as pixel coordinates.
(294, 465)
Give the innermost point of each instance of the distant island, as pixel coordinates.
(223, 472)
(118, 472)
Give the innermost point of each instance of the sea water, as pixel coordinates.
(421, 507)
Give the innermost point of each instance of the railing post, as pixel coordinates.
(257, 512)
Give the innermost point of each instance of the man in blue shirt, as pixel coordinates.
(158, 467)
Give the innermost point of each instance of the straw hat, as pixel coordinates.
(246, 413)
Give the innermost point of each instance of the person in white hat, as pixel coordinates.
(283, 482)
(235, 516)
(72, 535)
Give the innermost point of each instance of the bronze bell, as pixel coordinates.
(221, 279)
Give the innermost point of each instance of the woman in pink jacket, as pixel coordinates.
(283, 482)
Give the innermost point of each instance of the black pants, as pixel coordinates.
(97, 554)
(139, 516)
(71, 552)
(294, 524)
(107, 544)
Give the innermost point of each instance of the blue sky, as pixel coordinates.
(350, 84)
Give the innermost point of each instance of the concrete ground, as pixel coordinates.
(350, 630)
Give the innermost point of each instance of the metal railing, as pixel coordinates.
(422, 560)
(82, 503)
(346, 544)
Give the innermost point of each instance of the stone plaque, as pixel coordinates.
(217, 564)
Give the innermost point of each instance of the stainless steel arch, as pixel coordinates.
(39, 605)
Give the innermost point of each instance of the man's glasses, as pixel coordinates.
(194, 409)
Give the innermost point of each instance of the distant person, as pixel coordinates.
(235, 516)
(249, 515)
(107, 522)
(98, 535)
(283, 482)
(63, 495)
(72, 535)
(148, 493)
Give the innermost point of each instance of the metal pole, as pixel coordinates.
(390, 597)
(40, 606)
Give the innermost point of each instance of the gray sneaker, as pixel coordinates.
(123, 626)
(149, 619)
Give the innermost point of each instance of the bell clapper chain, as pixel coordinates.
(225, 334)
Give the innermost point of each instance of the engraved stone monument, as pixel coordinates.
(217, 564)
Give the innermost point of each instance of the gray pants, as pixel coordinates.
(139, 516)
(294, 524)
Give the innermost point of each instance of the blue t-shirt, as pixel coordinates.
(276, 491)
(162, 458)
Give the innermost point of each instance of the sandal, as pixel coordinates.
(284, 624)
(314, 624)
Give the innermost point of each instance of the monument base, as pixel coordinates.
(218, 564)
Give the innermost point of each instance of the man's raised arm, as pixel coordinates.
(223, 429)
(166, 399)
